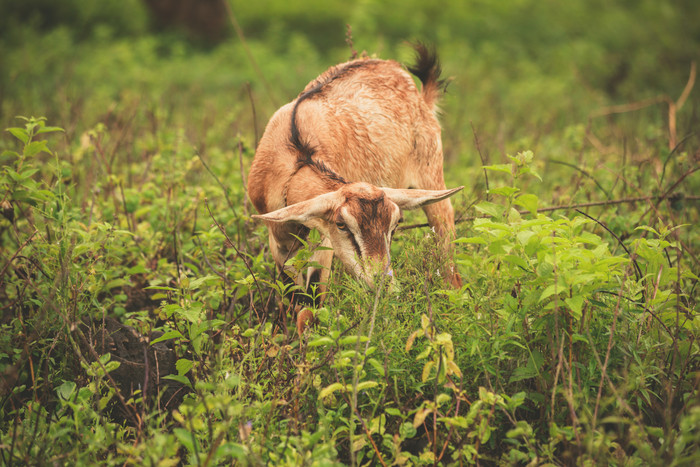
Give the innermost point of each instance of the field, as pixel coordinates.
(143, 320)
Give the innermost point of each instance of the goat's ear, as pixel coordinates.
(413, 199)
(303, 212)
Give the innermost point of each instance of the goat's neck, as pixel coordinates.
(307, 183)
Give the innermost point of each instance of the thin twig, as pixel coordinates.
(243, 180)
(239, 254)
(206, 166)
(573, 166)
(244, 42)
(21, 247)
(637, 269)
(255, 114)
(483, 161)
(570, 206)
(604, 366)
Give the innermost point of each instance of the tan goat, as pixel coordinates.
(355, 148)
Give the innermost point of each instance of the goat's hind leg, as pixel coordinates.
(441, 218)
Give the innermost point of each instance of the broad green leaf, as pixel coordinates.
(506, 168)
(528, 201)
(517, 261)
(506, 191)
(66, 390)
(20, 134)
(427, 368)
(186, 438)
(420, 416)
(549, 291)
(442, 398)
(454, 369)
(575, 304)
(325, 340)
(35, 147)
(183, 366)
(348, 340)
(172, 334)
(328, 390)
(180, 379)
(48, 129)
(424, 321)
(491, 209)
(366, 385)
(378, 367)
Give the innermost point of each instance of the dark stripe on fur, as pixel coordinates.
(303, 146)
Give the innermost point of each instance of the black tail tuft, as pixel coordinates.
(427, 67)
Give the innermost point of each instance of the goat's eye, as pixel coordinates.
(342, 226)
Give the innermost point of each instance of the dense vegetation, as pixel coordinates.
(143, 320)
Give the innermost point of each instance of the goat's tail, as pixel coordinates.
(427, 69)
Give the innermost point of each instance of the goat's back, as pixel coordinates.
(364, 119)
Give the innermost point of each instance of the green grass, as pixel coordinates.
(573, 340)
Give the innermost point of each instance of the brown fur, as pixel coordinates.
(360, 121)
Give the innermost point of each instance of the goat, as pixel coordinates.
(360, 144)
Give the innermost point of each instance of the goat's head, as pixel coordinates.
(360, 220)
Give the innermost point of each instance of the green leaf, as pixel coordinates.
(180, 379)
(325, 340)
(506, 191)
(377, 366)
(9, 154)
(48, 129)
(231, 450)
(528, 201)
(352, 340)
(506, 168)
(35, 147)
(426, 371)
(186, 438)
(420, 416)
(167, 336)
(407, 430)
(491, 209)
(328, 390)
(366, 385)
(66, 390)
(516, 261)
(424, 354)
(424, 321)
(442, 399)
(549, 291)
(476, 240)
(198, 282)
(183, 366)
(250, 332)
(20, 134)
(138, 269)
(575, 304)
